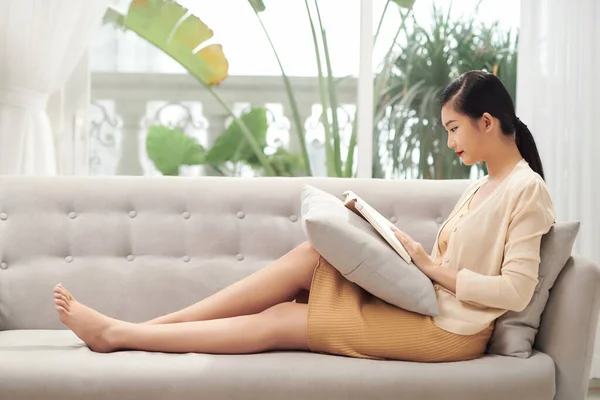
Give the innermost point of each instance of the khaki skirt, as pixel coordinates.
(346, 320)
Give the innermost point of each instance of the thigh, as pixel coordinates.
(286, 323)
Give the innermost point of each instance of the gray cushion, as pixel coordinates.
(515, 332)
(354, 248)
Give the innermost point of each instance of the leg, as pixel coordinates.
(278, 282)
(280, 327)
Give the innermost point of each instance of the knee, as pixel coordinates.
(287, 322)
(307, 247)
(274, 317)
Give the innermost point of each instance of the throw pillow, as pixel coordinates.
(515, 332)
(361, 255)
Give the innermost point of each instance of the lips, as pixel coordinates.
(459, 153)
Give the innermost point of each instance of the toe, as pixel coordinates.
(62, 303)
(61, 297)
(66, 293)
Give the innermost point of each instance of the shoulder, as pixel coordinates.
(527, 191)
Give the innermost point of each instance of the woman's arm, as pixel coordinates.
(444, 276)
(513, 288)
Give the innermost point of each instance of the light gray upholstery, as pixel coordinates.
(135, 248)
(54, 365)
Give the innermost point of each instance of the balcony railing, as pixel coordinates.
(124, 105)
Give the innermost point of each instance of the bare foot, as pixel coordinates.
(89, 325)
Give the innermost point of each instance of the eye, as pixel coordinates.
(454, 129)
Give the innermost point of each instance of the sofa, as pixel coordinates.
(135, 248)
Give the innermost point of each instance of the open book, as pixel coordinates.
(378, 221)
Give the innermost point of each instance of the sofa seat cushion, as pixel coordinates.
(56, 365)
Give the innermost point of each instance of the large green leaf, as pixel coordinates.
(170, 148)
(170, 27)
(232, 145)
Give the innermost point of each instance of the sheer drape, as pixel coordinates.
(41, 41)
(558, 88)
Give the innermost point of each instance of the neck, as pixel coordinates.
(501, 163)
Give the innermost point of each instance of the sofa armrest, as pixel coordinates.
(568, 326)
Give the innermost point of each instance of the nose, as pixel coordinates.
(450, 143)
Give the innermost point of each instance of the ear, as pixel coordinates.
(487, 121)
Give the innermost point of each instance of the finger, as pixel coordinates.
(403, 235)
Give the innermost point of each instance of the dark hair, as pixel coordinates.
(476, 92)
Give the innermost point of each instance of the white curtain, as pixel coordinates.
(557, 97)
(41, 41)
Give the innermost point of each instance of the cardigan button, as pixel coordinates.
(240, 257)
(439, 220)
(72, 215)
(241, 214)
(186, 258)
(186, 215)
(132, 214)
(293, 218)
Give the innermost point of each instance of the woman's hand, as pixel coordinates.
(445, 276)
(416, 251)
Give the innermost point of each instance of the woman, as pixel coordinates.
(484, 262)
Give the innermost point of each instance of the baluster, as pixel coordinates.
(132, 113)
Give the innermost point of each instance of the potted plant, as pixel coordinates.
(407, 127)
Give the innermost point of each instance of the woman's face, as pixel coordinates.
(465, 135)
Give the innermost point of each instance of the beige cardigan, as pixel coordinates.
(496, 249)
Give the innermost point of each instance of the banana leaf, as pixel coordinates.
(232, 145)
(170, 27)
(171, 148)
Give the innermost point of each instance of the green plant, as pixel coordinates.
(336, 165)
(170, 148)
(408, 126)
(171, 28)
(231, 146)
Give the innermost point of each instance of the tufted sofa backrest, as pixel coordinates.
(135, 248)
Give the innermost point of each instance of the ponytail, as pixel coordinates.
(527, 148)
